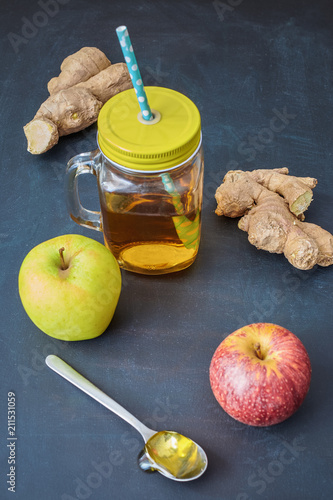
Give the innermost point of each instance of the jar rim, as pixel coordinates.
(148, 172)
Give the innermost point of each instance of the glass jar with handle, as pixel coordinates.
(150, 180)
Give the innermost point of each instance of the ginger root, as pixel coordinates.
(271, 204)
(78, 67)
(87, 80)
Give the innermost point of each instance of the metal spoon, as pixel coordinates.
(173, 455)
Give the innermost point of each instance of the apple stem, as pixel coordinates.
(63, 264)
(257, 350)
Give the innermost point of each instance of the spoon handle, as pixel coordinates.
(68, 373)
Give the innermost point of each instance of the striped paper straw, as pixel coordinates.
(134, 71)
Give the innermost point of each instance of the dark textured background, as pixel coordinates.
(240, 63)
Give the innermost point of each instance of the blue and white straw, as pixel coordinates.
(134, 71)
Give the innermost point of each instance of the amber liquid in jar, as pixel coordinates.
(147, 235)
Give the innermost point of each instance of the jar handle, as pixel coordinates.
(84, 163)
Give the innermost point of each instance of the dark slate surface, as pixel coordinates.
(243, 63)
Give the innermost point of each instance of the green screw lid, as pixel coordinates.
(168, 140)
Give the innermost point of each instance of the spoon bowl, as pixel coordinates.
(173, 455)
(170, 453)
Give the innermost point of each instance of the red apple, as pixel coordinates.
(260, 374)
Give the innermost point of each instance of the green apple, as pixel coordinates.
(69, 287)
